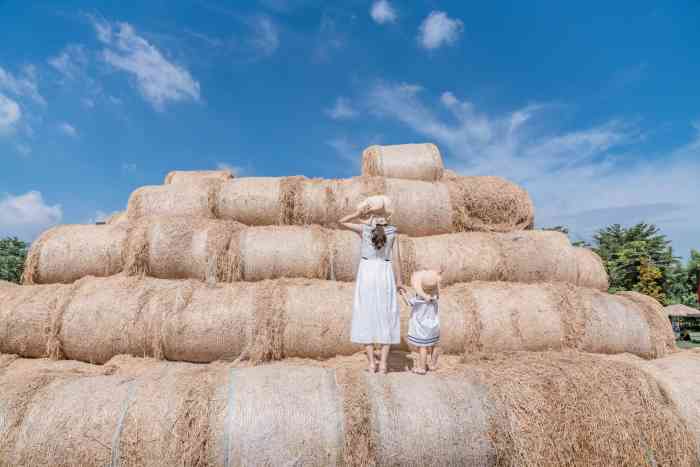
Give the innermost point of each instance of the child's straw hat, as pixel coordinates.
(426, 279)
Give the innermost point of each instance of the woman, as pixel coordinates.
(375, 312)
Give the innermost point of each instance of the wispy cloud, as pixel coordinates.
(582, 178)
(25, 216)
(68, 129)
(22, 85)
(70, 62)
(330, 39)
(438, 29)
(159, 80)
(10, 114)
(342, 109)
(265, 37)
(382, 12)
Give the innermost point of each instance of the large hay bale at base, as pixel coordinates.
(409, 161)
(66, 253)
(181, 248)
(195, 199)
(544, 409)
(189, 176)
(271, 320)
(679, 378)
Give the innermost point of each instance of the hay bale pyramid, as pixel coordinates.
(208, 325)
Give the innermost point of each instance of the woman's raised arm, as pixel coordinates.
(346, 224)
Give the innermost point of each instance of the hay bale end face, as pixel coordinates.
(517, 409)
(270, 320)
(409, 161)
(188, 176)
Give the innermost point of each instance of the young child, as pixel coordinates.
(424, 324)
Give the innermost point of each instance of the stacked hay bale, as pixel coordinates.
(213, 273)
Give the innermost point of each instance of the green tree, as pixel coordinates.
(625, 250)
(650, 280)
(12, 255)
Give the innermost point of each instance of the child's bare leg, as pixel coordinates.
(384, 358)
(433, 360)
(370, 358)
(420, 368)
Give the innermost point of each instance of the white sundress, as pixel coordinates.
(424, 324)
(375, 309)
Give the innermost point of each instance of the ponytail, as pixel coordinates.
(378, 237)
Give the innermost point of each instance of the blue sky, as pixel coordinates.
(594, 107)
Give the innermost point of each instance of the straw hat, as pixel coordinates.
(426, 279)
(378, 206)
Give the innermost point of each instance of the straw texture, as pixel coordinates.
(188, 176)
(271, 320)
(409, 161)
(524, 409)
(66, 253)
(421, 208)
(225, 251)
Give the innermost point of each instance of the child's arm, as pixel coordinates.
(345, 222)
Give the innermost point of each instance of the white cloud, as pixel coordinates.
(27, 215)
(68, 129)
(330, 39)
(438, 29)
(382, 12)
(158, 79)
(265, 35)
(70, 62)
(10, 114)
(342, 109)
(236, 170)
(23, 86)
(584, 178)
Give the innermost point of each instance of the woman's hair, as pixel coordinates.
(378, 237)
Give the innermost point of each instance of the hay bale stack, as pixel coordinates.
(188, 176)
(196, 199)
(270, 320)
(409, 161)
(537, 409)
(66, 253)
(421, 208)
(181, 248)
(225, 251)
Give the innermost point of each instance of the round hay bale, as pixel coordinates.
(270, 320)
(181, 248)
(538, 256)
(489, 204)
(189, 176)
(193, 199)
(66, 253)
(409, 161)
(591, 270)
(420, 208)
(118, 218)
(522, 409)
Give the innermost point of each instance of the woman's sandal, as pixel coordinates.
(383, 370)
(419, 371)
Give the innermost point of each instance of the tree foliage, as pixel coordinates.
(12, 255)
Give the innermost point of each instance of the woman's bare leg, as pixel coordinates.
(384, 358)
(370, 358)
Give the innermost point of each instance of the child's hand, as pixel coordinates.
(401, 288)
